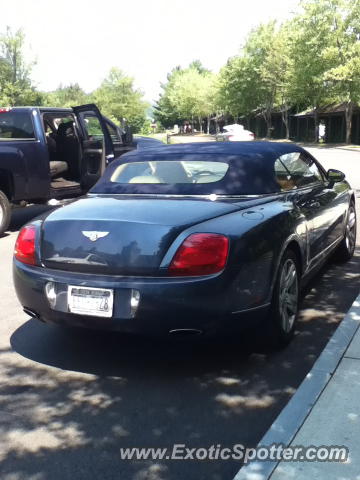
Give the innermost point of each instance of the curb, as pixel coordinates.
(294, 414)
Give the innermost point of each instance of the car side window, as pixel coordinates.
(15, 125)
(93, 127)
(283, 177)
(314, 168)
(301, 168)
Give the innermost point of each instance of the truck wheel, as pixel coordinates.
(5, 213)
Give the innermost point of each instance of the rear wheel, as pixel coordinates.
(5, 213)
(347, 246)
(285, 302)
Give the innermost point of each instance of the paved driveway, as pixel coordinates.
(348, 161)
(69, 401)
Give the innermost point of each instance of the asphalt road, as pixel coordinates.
(345, 160)
(69, 401)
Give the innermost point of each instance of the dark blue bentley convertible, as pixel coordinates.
(188, 239)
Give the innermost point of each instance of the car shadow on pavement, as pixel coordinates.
(110, 391)
(85, 394)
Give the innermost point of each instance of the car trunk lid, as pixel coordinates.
(119, 235)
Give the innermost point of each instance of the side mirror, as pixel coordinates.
(335, 176)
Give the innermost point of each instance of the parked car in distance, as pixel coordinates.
(53, 153)
(192, 238)
(235, 133)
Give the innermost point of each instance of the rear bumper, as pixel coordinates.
(201, 303)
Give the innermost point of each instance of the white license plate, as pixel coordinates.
(97, 302)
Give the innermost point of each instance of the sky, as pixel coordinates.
(79, 41)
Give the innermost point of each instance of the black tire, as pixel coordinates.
(285, 303)
(346, 248)
(5, 213)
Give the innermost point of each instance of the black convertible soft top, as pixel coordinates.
(251, 168)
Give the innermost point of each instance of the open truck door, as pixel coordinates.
(96, 143)
(119, 147)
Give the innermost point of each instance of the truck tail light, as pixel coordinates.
(5, 110)
(25, 245)
(200, 254)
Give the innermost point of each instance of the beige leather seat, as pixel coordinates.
(57, 168)
(145, 179)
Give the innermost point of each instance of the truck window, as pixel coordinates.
(93, 127)
(113, 133)
(63, 119)
(16, 126)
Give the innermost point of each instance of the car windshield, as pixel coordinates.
(170, 172)
(155, 173)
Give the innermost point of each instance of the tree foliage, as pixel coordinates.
(67, 96)
(15, 83)
(325, 51)
(188, 94)
(307, 62)
(164, 111)
(120, 100)
(116, 96)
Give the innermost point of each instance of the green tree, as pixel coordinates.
(67, 96)
(262, 64)
(119, 99)
(240, 87)
(188, 94)
(343, 54)
(197, 65)
(313, 34)
(257, 79)
(15, 83)
(284, 70)
(211, 98)
(164, 111)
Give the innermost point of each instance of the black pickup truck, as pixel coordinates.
(53, 153)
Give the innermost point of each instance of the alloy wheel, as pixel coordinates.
(288, 295)
(350, 234)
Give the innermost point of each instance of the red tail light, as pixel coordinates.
(25, 245)
(200, 254)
